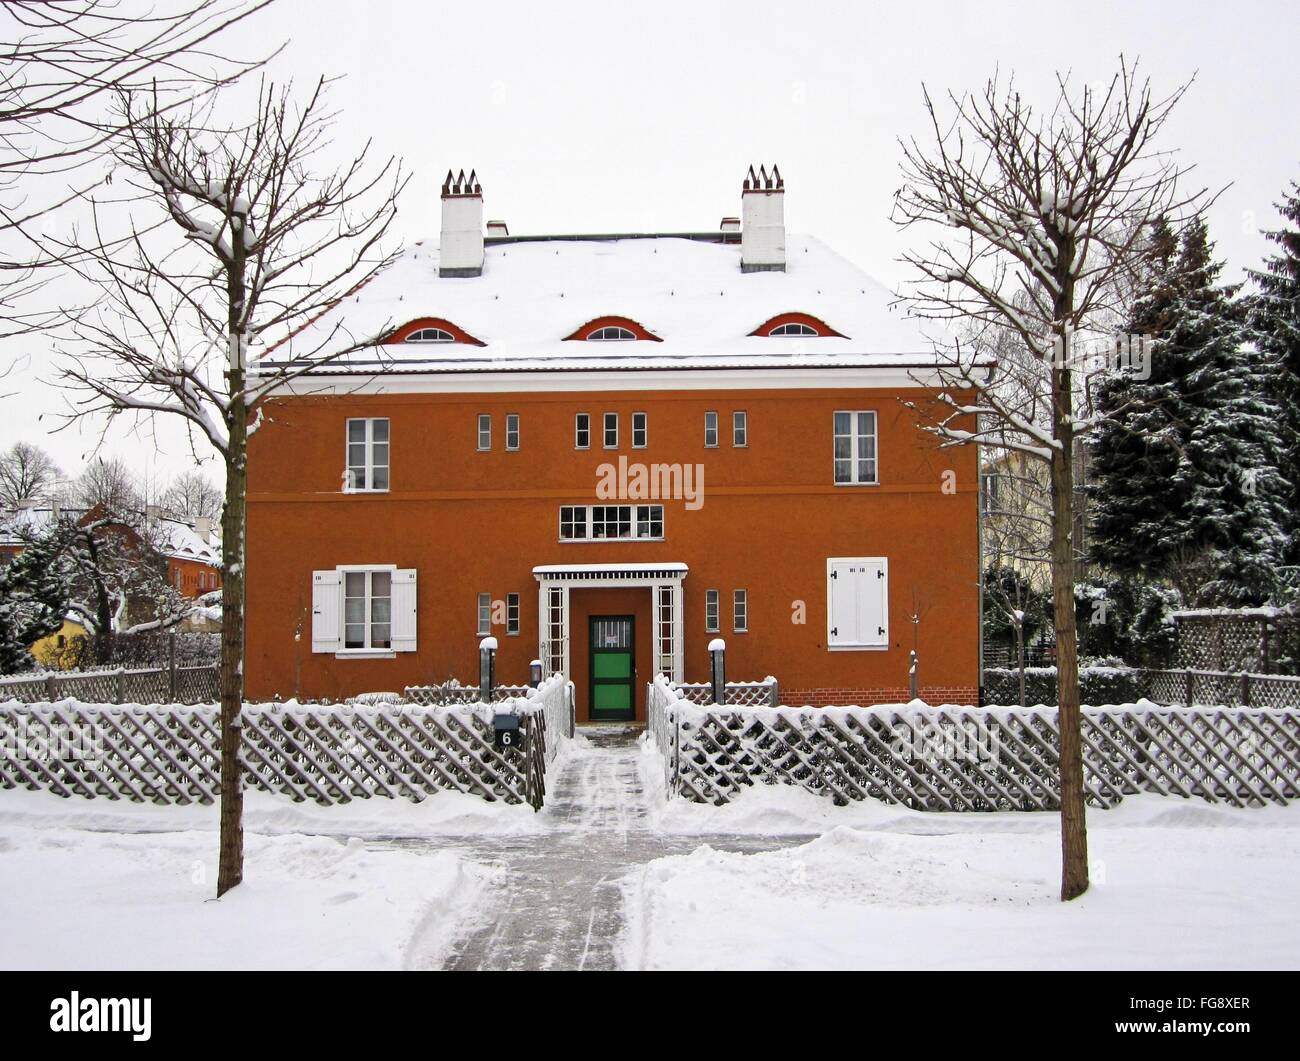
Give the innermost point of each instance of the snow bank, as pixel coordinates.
(1175, 886)
(440, 814)
(145, 901)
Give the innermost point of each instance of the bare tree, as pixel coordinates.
(1040, 218)
(65, 61)
(192, 495)
(109, 485)
(27, 473)
(265, 233)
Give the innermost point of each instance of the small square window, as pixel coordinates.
(639, 430)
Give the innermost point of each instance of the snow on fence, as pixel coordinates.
(452, 692)
(329, 754)
(1222, 688)
(957, 758)
(177, 685)
(738, 694)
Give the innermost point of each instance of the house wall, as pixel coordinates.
(185, 575)
(472, 522)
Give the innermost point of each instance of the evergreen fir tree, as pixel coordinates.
(1275, 322)
(33, 601)
(1186, 477)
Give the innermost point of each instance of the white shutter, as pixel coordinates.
(404, 610)
(325, 606)
(857, 602)
(873, 602)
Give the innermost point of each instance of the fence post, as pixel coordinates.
(535, 673)
(1187, 688)
(487, 668)
(119, 685)
(718, 670)
(1245, 690)
(51, 688)
(171, 667)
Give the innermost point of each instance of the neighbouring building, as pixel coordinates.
(606, 451)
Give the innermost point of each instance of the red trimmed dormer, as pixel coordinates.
(797, 324)
(431, 330)
(612, 329)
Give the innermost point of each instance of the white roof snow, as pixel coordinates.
(690, 293)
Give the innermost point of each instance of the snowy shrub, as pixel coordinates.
(1097, 685)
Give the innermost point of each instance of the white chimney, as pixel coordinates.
(497, 229)
(762, 233)
(461, 249)
(203, 528)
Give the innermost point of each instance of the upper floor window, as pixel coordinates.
(597, 522)
(740, 611)
(512, 614)
(639, 430)
(710, 429)
(582, 431)
(512, 430)
(740, 429)
(711, 606)
(612, 329)
(855, 448)
(367, 454)
(484, 614)
(611, 430)
(484, 431)
(430, 335)
(796, 324)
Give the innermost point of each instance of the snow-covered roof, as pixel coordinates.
(688, 292)
(172, 537)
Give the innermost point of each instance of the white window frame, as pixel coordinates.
(483, 605)
(604, 430)
(484, 431)
(712, 611)
(512, 614)
(512, 428)
(854, 443)
(639, 515)
(611, 333)
(370, 466)
(793, 329)
(644, 429)
(711, 425)
(368, 651)
(439, 335)
(579, 430)
(740, 611)
(740, 429)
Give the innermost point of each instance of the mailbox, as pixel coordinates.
(505, 730)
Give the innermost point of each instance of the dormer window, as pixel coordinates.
(430, 335)
(612, 334)
(430, 330)
(796, 325)
(612, 330)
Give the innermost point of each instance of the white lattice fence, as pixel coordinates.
(329, 754)
(194, 685)
(954, 758)
(766, 693)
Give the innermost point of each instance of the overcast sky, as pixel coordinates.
(608, 117)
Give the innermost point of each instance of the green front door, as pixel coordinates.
(613, 668)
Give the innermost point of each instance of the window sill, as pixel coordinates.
(876, 483)
(605, 541)
(857, 648)
(353, 493)
(365, 653)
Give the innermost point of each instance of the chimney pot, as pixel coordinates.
(498, 228)
(762, 233)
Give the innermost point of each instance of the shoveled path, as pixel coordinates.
(559, 905)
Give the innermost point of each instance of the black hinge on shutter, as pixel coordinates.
(834, 573)
(835, 631)
(880, 572)
(880, 630)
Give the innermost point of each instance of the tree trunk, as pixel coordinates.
(1020, 658)
(230, 869)
(1074, 829)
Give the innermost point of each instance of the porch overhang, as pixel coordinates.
(663, 580)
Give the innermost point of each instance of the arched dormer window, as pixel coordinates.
(430, 335)
(612, 330)
(430, 330)
(795, 325)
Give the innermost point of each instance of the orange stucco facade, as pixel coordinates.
(471, 522)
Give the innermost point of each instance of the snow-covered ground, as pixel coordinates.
(1176, 885)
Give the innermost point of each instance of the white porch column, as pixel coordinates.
(678, 635)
